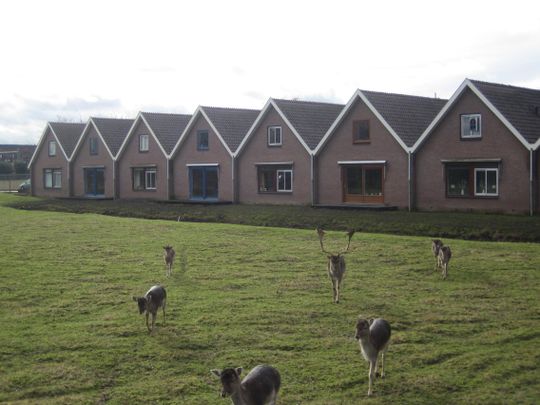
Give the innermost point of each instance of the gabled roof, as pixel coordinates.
(167, 127)
(66, 134)
(404, 116)
(308, 120)
(113, 131)
(229, 124)
(518, 109)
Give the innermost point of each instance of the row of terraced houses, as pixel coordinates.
(479, 150)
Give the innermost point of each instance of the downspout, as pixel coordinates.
(312, 158)
(233, 176)
(168, 178)
(114, 179)
(409, 176)
(531, 181)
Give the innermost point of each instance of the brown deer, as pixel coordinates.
(445, 254)
(168, 257)
(436, 245)
(336, 263)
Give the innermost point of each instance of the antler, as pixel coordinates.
(320, 232)
(350, 233)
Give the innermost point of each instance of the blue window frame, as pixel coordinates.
(203, 183)
(202, 140)
(94, 181)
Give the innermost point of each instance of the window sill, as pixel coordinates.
(470, 138)
(275, 192)
(361, 142)
(474, 197)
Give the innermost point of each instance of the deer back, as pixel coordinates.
(260, 383)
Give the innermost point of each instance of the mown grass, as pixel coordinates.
(471, 226)
(243, 295)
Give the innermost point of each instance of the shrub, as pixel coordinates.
(20, 167)
(6, 168)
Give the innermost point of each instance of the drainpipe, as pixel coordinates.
(312, 158)
(168, 179)
(409, 175)
(531, 185)
(233, 176)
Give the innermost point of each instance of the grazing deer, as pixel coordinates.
(445, 254)
(336, 264)
(436, 245)
(168, 257)
(155, 297)
(259, 387)
(373, 336)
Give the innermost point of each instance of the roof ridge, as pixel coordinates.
(110, 118)
(307, 101)
(403, 95)
(165, 113)
(502, 85)
(231, 108)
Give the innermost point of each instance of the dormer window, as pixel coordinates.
(361, 131)
(143, 143)
(471, 126)
(274, 136)
(52, 148)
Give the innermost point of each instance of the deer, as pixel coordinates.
(155, 298)
(168, 257)
(436, 245)
(336, 264)
(259, 387)
(373, 337)
(445, 254)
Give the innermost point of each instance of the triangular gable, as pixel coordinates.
(467, 84)
(167, 127)
(42, 139)
(89, 124)
(359, 95)
(140, 118)
(271, 103)
(200, 112)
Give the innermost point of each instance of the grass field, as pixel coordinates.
(241, 296)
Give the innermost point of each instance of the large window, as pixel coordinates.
(143, 143)
(363, 183)
(144, 178)
(52, 148)
(202, 140)
(275, 179)
(52, 178)
(472, 181)
(203, 182)
(274, 136)
(93, 146)
(360, 131)
(471, 126)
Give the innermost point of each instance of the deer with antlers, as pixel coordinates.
(336, 263)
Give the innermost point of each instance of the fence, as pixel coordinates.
(10, 182)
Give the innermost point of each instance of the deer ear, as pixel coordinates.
(238, 370)
(371, 321)
(216, 372)
(134, 298)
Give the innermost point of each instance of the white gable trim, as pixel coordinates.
(457, 94)
(358, 94)
(254, 126)
(189, 127)
(140, 117)
(42, 139)
(291, 127)
(84, 132)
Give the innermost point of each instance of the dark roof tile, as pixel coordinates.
(232, 123)
(68, 134)
(113, 131)
(167, 127)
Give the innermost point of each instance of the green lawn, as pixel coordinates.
(243, 295)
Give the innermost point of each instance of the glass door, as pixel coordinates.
(203, 183)
(363, 184)
(94, 182)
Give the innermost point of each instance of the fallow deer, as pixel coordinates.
(436, 245)
(374, 337)
(445, 254)
(336, 264)
(168, 257)
(155, 298)
(259, 387)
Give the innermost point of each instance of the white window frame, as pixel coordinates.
(144, 141)
(52, 148)
(466, 123)
(272, 135)
(486, 170)
(52, 179)
(284, 172)
(150, 179)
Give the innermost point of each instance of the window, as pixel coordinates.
(52, 178)
(144, 178)
(274, 179)
(361, 131)
(472, 181)
(93, 146)
(202, 140)
(471, 126)
(143, 143)
(52, 148)
(274, 136)
(486, 182)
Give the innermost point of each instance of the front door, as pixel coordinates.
(94, 182)
(363, 184)
(203, 183)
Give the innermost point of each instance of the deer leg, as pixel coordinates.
(147, 321)
(382, 361)
(333, 289)
(338, 284)
(372, 366)
(153, 319)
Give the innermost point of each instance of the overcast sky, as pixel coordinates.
(68, 60)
